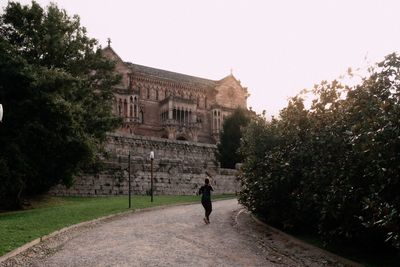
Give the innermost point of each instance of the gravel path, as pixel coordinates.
(174, 236)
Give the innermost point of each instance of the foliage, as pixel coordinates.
(230, 137)
(334, 168)
(55, 88)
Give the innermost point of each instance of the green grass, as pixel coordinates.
(54, 213)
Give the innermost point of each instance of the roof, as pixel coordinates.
(170, 76)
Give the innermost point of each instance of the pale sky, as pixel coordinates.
(276, 48)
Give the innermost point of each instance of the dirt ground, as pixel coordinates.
(174, 236)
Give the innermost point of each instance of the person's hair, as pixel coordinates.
(207, 181)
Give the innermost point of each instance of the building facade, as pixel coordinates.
(165, 104)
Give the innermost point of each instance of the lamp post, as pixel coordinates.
(1, 112)
(151, 171)
(129, 177)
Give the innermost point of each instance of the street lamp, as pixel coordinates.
(151, 169)
(129, 177)
(1, 112)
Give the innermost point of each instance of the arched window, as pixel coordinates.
(120, 107)
(125, 108)
(186, 117)
(135, 113)
(141, 116)
(148, 93)
(156, 94)
(129, 82)
(182, 116)
(179, 116)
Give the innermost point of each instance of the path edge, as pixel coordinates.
(297, 241)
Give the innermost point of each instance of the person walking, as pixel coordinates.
(205, 192)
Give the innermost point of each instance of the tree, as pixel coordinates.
(227, 150)
(332, 169)
(56, 88)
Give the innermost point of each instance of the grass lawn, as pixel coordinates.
(53, 213)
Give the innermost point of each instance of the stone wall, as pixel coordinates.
(179, 168)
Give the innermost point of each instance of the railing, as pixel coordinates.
(172, 122)
(132, 119)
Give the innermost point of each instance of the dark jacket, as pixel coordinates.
(205, 191)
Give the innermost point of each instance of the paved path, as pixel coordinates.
(175, 236)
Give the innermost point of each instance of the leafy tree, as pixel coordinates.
(332, 169)
(227, 149)
(55, 87)
(259, 137)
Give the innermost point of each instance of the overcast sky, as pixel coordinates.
(276, 48)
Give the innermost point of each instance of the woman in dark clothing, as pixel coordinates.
(205, 191)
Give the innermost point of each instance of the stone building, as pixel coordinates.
(165, 104)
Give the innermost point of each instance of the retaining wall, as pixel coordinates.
(179, 168)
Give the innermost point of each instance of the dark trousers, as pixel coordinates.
(207, 207)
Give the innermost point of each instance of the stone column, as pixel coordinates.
(170, 110)
(194, 117)
(194, 132)
(171, 130)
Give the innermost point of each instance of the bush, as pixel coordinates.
(332, 169)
